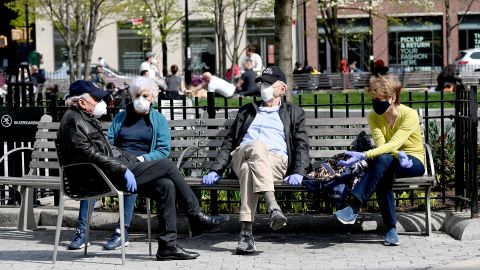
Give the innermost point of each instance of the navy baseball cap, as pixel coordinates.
(271, 75)
(80, 87)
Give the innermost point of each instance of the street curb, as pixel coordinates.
(460, 226)
(367, 222)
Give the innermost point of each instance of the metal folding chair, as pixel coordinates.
(86, 181)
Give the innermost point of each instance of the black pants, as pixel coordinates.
(163, 182)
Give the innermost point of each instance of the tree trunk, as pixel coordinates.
(221, 41)
(283, 40)
(164, 57)
(448, 31)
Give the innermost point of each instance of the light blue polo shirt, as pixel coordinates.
(267, 127)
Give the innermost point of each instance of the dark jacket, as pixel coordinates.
(81, 140)
(296, 137)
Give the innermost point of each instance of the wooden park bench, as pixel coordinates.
(195, 151)
(194, 147)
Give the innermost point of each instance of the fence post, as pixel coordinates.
(473, 152)
(211, 104)
(459, 154)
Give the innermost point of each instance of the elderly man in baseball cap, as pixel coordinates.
(268, 143)
(81, 140)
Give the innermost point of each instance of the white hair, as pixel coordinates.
(74, 100)
(140, 84)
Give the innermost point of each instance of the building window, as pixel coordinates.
(355, 44)
(415, 43)
(202, 47)
(131, 48)
(469, 33)
(260, 34)
(59, 50)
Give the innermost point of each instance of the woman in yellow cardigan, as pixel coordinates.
(399, 152)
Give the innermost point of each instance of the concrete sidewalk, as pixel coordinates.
(34, 249)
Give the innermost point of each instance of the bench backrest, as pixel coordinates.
(45, 160)
(328, 137)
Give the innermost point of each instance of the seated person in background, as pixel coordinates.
(399, 152)
(257, 63)
(175, 84)
(215, 84)
(99, 77)
(446, 79)
(298, 68)
(81, 140)
(267, 142)
(379, 67)
(246, 85)
(145, 73)
(236, 73)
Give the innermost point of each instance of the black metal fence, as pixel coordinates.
(439, 117)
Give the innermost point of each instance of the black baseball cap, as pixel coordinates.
(271, 75)
(80, 87)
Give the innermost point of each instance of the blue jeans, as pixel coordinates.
(380, 177)
(129, 204)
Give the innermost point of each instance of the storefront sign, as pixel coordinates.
(414, 49)
(476, 40)
(19, 124)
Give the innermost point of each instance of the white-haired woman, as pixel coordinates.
(138, 130)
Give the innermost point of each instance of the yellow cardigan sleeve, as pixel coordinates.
(408, 123)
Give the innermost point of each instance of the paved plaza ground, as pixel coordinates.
(33, 250)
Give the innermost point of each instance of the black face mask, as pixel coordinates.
(380, 107)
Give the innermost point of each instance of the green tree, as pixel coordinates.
(77, 22)
(165, 16)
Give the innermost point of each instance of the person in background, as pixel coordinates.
(298, 69)
(246, 85)
(175, 84)
(101, 61)
(81, 139)
(344, 66)
(145, 73)
(446, 79)
(99, 77)
(267, 142)
(236, 73)
(215, 84)
(379, 67)
(150, 64)
(38, 80)
(257, 64)
(399, 152)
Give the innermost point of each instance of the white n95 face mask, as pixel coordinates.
(100, 109)
(154, 61)
(141, 105)
(266, 92)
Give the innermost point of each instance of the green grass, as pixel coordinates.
(413, 99)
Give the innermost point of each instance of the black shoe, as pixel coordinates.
(189, 252)
(175, 253)
(203, 222)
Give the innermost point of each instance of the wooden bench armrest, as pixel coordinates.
(15, 150)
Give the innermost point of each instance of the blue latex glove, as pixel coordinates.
(405, 161)
(131, 182)
(294, 179)
(211, 178)
(354, 158)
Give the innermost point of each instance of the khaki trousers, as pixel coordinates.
(256, 169)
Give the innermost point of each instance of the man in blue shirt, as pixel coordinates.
(267, 142)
